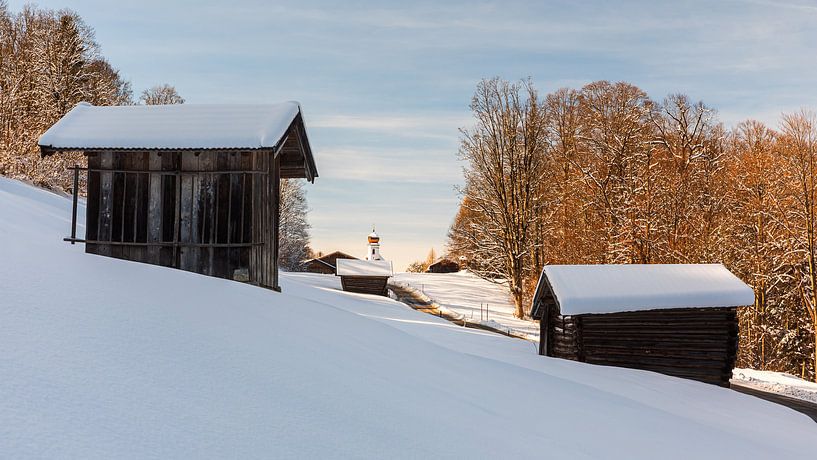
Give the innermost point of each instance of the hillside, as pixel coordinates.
(466, 296)
(102, 358)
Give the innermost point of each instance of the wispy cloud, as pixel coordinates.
(418, 126)
(391, 164)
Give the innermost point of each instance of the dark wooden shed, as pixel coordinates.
(326, 264)
(678, 320)
(365, 276)
(193, 187)
(444, 266)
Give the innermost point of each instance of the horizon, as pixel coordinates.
(385, 87)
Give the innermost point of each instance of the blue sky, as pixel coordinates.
(386, 85)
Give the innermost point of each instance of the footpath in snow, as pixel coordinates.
(104, 358)
(777, 382)
(468, 297)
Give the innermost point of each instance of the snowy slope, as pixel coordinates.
(469, 297)
(101, 358)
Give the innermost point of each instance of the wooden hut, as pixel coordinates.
(365, 276)
(194, 187)
(326, 264)
(444, 266)
(678, 320)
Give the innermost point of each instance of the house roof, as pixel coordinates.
(350, 267)
(320, 261)
(179, 127)
(324, 259)
(444, 261)
(337, 254)
(585, 289)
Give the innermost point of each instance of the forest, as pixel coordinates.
(606, 174)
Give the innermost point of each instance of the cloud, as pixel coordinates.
(391, 164)
(420, 126)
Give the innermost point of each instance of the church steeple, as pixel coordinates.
(373, 249)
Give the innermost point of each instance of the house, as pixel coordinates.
(678, 320)
(444, 266)
(193, 187)
(326, 264)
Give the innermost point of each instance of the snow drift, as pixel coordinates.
(102, 358)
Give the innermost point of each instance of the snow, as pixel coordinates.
(777, 382)
(353, 267)
(581, 289)
(468, 297)
(104, 358)
(182, 126)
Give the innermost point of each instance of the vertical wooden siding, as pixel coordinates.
(165, 208)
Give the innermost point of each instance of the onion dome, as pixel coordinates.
(373, 238)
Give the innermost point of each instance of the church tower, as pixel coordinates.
(373, 250)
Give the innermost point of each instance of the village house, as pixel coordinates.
(193, 187)
(444, 266)
(326, 264)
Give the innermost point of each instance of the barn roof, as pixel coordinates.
(349, 267)
(583, 289)
(180, 127)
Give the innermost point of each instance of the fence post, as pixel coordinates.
(74, 205)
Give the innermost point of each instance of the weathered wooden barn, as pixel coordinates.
(444, 266)
(326, 264)
(678, 320)
(194, 187)
(365, 276)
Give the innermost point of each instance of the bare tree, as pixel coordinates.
(161, 95)
(294, 227)
(505, 152)
(800, 149)
(49, 62)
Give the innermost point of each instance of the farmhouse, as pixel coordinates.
(678, 320)
(194, 187)
(444, 266)
(326, 264)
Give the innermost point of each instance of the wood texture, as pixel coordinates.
(694, 343)
(365, 284)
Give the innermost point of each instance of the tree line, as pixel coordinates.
(49, 62)
(605, 174)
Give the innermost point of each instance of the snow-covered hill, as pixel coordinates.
(101, 358)
(466, 296)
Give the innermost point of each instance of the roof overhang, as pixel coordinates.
(278, 128)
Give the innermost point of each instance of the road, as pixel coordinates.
(799, 405)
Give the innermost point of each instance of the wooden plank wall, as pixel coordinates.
(365, 284)
(202, 212)
(699, 344)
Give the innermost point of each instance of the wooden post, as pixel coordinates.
(276, 219)
(74, 205)
(188, 212)
(155, 191)
(105, 202)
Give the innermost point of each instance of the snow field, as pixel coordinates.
(466, 296)
(103, 358)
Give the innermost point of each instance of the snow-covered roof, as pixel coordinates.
(349, 267)
(182, 126)
(582, 289)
